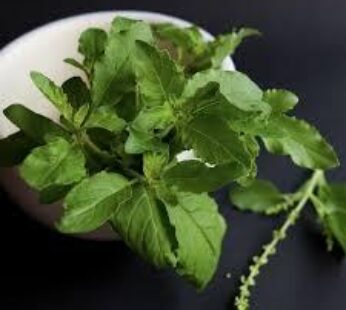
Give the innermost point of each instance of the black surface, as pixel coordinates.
(304, 49)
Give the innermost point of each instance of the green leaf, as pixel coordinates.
(114, 75)
(14, 148)
(259, 197)
(300, 141)
(37, 127)
(143, 224)
(105, 117)
(214, 142)
(159, 78)
(194, 176)
(77, 92)
(153, 119)
(333, 198)
(139, 142)
(280, 100)
(93, 202)
(236, 87)
(56, 163)
(199, 230)
(92, 44)
(53, 93)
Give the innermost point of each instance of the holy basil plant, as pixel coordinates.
(146, 94)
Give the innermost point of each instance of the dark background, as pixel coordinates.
(303, 49)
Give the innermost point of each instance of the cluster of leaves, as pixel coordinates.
(150, 92)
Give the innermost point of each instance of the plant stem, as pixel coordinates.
(242, 302)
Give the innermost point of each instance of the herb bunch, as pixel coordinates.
(147, 93)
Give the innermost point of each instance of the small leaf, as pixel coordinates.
(259, 197)
(77, 92)
(143, 225)
(280, 100)
(236, 87)
(56, 163)
(302, 142)
(92, 44)
(159, 78)
(14, 148)
(333, 198)
(53, 93)
(199, 231)
(105, 117)
(214, 142)
(194, 176)
(92, 203)
(35, 126)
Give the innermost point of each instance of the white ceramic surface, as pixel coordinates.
(43, 50)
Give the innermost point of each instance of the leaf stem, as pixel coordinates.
(242, 302)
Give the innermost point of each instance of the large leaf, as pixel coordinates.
(199, 230)
(300, 141)
(258, 197)
(334, 210)
(34, 125)
(114, 75)
(14, 148)
(56, 163)
(236, 87)
(143, 224)
(53, 93)
(214, 142)
(195, 176)
(159, 78)
(92, 203)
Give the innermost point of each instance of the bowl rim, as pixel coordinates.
(135, 14)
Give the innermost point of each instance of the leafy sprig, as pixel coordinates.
(147, 95)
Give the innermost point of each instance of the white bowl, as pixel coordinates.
(44, 50)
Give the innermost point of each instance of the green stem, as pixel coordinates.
(242, 302)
